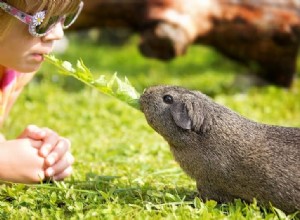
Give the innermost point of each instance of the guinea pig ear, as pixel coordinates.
(180, 115)
(190, 116)
(196, 114)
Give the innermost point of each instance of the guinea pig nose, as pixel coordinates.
(168, 99)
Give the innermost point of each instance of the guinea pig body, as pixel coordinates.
(228, 155)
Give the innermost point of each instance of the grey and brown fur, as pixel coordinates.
(228, 155)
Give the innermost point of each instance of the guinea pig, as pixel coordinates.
(228, 155)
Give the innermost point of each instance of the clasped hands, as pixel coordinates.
(51, 157)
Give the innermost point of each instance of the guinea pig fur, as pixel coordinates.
(228, 155)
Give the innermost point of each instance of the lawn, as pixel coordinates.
(123, 169)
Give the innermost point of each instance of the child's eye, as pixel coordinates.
(168, 99)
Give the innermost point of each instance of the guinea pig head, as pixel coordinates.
(172, 110)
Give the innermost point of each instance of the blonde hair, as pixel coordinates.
(53, 7)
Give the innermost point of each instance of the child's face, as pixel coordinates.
(22, 52)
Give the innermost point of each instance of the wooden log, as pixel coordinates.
(264, 32)
(111, 13)
(249, 31)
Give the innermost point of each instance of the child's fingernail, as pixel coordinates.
(51, 160)
(42, 133)
(50, 172)
(45, 149)
(44, 152)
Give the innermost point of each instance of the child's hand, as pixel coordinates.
(20, 161)
(55, 150)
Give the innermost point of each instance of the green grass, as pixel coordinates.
(123, 169)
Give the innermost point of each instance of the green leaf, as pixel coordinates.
(122, 90)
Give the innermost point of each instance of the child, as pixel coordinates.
(28, 29)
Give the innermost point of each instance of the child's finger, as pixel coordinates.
(35, 144)
(61, 148)
(50, 142)
(60, 166)
(67, 172)
(34, 132)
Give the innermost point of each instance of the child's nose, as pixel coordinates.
(56, 33)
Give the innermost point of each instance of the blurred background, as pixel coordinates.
(261, 35)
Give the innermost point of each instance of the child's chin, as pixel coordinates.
(29, 69)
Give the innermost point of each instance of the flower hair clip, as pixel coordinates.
(38, 18)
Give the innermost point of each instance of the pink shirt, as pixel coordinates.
(11, 85)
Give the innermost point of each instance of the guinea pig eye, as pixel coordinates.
(168, 99)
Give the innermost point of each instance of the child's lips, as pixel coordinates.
(39, 57)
